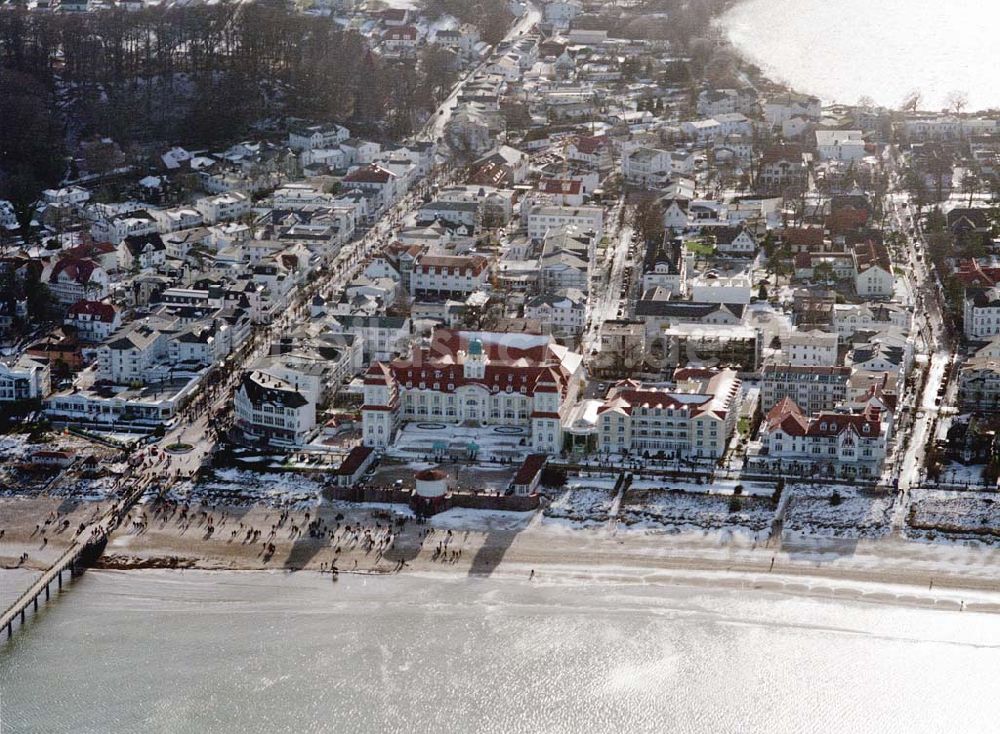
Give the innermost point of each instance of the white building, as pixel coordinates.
(480, 377)
(317, 136)
(94, 321)
(223, 207)
(694, 419)
(141, 252)
(644, 166)
(566, 312)
(873, 277)
(840, 145)
(810, 349)
(814, 388)
(845, 444)
(383, 338)
(712, 287)
(851, 318)
(448, 276)
(71, 279)
(26, 379)
(271, 411)
(541, 218)
(174, 220)
(787, 105)
(981, 313)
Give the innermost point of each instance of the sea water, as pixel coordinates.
(842, 50)
(189, 651)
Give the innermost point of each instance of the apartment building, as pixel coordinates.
(692, 419)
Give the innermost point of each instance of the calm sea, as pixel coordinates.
(844, 49)
(256, 652)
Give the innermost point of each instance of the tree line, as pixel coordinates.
(198, 75)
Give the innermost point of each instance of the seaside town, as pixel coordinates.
(597, 278)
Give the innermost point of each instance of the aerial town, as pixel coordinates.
(601, 282)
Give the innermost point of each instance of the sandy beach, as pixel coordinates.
(371, 540)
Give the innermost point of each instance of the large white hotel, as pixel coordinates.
(481, 378)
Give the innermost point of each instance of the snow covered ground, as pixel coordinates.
(811, 511)
(236, 487)
(955, 473)
(657, 509)
(418, 440)
(724, 487)
(581, 506)
(936, 514)
(463, 518)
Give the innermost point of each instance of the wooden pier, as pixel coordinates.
(81, 554)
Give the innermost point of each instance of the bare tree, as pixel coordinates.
(911, 102)
(956, 101)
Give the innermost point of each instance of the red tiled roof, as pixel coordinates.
(588, 145)
(78, 270)
(787, 416)
(405, 33)
(369, 174)
(526, 473)
(354, 460)
(476, 263)
(100, 311)
(869, 254)
(560, 186)
(973, 275)
(803, 235)
(533, 367)
(784, 152)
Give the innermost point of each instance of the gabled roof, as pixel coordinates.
(370, 174)
(97, 310)
(869, 254)
(262, 388)
(78, 270)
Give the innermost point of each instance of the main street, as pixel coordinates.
(435, 126)
(933, 343)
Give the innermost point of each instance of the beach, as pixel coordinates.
(386, 539)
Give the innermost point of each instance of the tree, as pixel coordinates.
(911, 102)
(971, 184)
(647, 218)
(823, 272)
(956, 101)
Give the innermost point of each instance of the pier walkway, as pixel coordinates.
(85, 550)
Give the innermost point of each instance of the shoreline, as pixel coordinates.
(789, 581)
(760, 72)
(369, 540)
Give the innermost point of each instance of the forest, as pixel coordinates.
(198, 75)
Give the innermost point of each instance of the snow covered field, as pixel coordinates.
(858, 515)
(236, 487)
(581, 506)
(657, 509)
(956, 515)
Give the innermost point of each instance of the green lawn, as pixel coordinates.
(700, 248)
